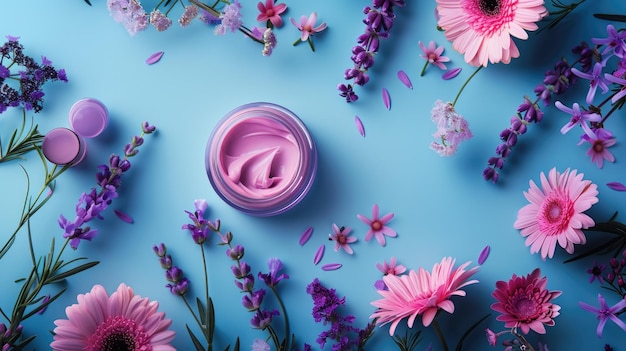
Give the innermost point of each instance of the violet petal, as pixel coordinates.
(405, 79)
(306, 235)
(359, 125)
(123, 216)
(154, 58)
(386, 99)
(483, 255)
(451, 73)
(319, 254)
(617, 186)
(331, 266)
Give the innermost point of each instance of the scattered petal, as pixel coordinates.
(123, 216)
(405, 79)
(449, 74)
(617, 186)
(359, 125)
(319, 254)
(154, 58)
(386, 99)
(331, 266)
(483, 255)
(306, 235)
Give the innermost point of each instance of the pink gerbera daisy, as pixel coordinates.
(525, 303)
(482, 30)
(122, 321)
(271, 12)
(341, 237)
(421, 293)
(378, 226)
(555, 213)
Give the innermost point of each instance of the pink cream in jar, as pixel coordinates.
(261, 159)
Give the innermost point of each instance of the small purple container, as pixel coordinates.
(63, 146)
(88, 117)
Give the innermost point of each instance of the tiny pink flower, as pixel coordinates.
(600, 140)
(271, 12)
(307, 26)
(341, 237)
(433, 55)
(378, 226)
(391, 268)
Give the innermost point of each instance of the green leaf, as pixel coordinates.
(88, 3)
(602, 248)
(610, 17)
(201, 312)
(194, 339)
(236, 348)
(43, 305)
(75, 270)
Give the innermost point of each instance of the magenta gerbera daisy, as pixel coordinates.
(526, 303)
(122, 321)
(482, 30)
(555, 212)
(421, 293)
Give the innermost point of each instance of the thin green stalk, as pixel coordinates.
(465, 84)
(439, 333)
(209, 328)
(285, 316)
(191, 311)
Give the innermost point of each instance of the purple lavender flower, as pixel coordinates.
(200, 227)
(326, 309)
(91, 205)
(272, 278)
(378, 22)
(178, 284)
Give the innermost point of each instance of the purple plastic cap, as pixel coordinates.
(62, 146)
(88, 117)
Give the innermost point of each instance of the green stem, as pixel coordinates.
(424, 69)
(192, 311)
(209, 328)
(439, 333)
(465, 84)
(285, 316)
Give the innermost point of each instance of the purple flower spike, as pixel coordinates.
(331, 266)
(449, 74)
(484, 254)
(404, 78)
(306, 235)
(617, 186)
(359, 125)
(154, 58)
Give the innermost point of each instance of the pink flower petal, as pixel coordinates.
(306, 235)
(405, 79)
(319, 254)
(331, 266)
(123, 216)
(359, 125)
(617, 186)
(386, 99)
(449, 74)
(154, 58)
(483, 255)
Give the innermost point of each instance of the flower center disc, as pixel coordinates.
(119, 333)
(376, 225)
(490, 7)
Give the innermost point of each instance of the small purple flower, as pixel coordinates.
(263, 319)
(253, 301)
(579, 117)
(160, 21)
(231, 18)
(272, 278)
(601, 140)
(596, 272)
(604, 313)
(615, 43)
(596, 80)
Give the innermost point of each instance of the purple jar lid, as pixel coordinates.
(62, 146)
(88, 117)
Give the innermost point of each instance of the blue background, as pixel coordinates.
(442, 206)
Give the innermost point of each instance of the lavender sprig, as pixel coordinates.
(378, 21)
(326, 310)
(91, 205)
(29, 76)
